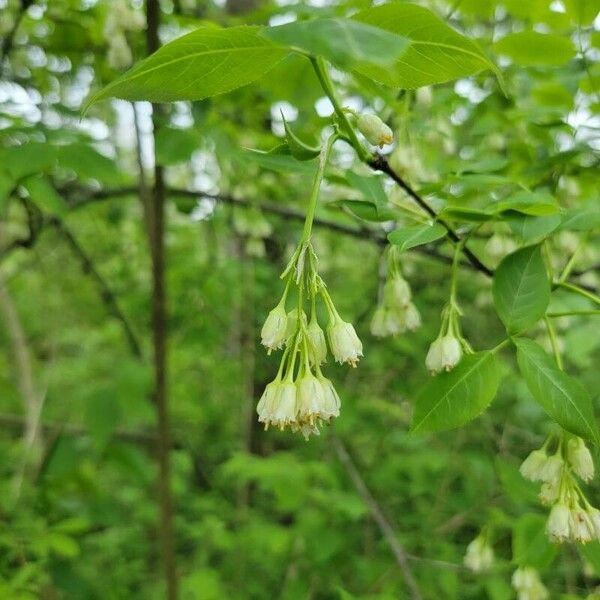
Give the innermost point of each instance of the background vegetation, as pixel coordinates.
(367, 509)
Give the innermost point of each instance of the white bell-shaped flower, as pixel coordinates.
(580, 458)
(557, 525)
(444, 354)
(345, 344)
(273, 332)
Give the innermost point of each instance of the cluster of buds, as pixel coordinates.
(572, 517)
(527, 583)
(251, 225)
(395, 313)
(301, 397)
(447, 349)
(479, 555)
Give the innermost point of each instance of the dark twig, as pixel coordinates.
(385, 527)
(380, 163)
(106, 294)
(156, 238)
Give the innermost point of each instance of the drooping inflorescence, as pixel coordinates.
(301, 397)
(395, 313)
(572, 517)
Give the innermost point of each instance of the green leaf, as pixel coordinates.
(409, 237)
(529, 203)
(561, 396)
(365, 209)
(436, 52)
(462, 213)
(43, 194)
(591, 552)
(344, 42)
(581, 219)
(583, 12)
(530, 544)
(521, 289)
(88, 163)
(63, 545)
(204, 63)
(530, 48)
(26, 159)
(455, 398)
(278, 159)
(298, 148)
(532, 229)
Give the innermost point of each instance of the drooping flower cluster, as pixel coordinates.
(395, 313)
(479, 555)
(527, 583)
(301, 397)
(447, 349)
(572, 517)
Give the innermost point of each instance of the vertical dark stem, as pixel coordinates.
(156, 231)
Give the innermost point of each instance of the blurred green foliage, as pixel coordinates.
(263, 515)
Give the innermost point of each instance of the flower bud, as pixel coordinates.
(317, 345)
(531, 468)
(581, 526)
(345, 344)
(444, 354)
(412, 317)
(396, 292)
(311, 399)
(375, 130)
(266, 404)
(378, 322)
(557, 525)
(332, 403)
(479, 555)
(551, 469)
(594, 515)
(527, 582)
(580, 459)
(273, 332)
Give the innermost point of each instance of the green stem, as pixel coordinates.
(327, 85)
(554, 342)
(571, 262)
(314, 195)
(454, 271)
(577, 290)
(574, 313)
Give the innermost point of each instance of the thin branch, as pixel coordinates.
(144, 438)
(156, 238)
(402, 558)
(33, 400)
(380, 163)
(106, 294)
